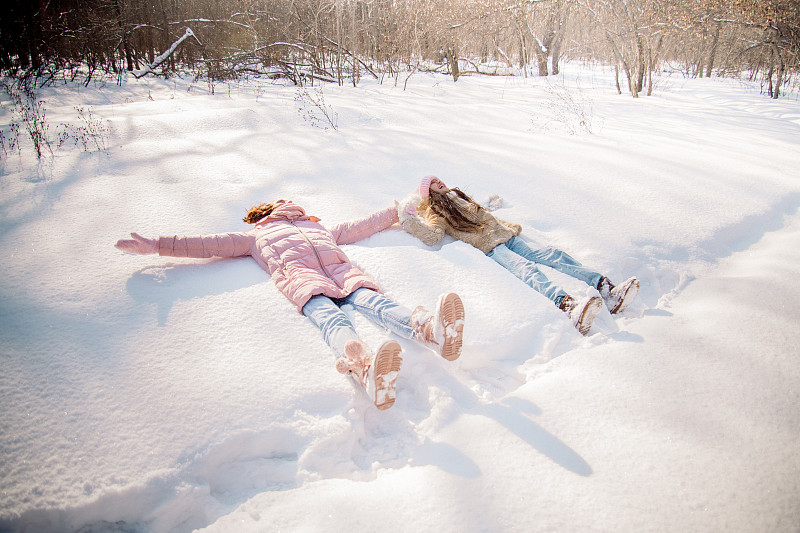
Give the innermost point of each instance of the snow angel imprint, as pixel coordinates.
(308, 267)
(435, 210)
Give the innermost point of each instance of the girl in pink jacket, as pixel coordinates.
(309, 268)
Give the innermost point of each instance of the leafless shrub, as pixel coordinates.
(566, 109)
(28, 115)
(8, 142)
(90, 133)
(312, 107)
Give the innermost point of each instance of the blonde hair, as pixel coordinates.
(257, 212)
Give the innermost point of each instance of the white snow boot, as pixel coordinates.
(378, 375)
(442, 332)
(618, 297)
(582, 313)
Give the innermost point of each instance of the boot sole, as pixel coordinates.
(452, 320)
(588, 314)
(386, 368)
(630, 293)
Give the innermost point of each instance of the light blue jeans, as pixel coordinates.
(521, 260)
(336, 326)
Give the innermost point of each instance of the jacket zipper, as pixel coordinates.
(319, 259)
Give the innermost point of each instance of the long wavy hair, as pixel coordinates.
(454, 214)
(257, 212)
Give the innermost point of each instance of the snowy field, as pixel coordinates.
(150, 394)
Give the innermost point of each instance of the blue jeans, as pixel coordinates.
(519, 259)
(336, 326)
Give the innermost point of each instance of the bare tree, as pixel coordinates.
(343, 40)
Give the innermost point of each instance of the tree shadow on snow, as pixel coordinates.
(512, 413)
(447, 457)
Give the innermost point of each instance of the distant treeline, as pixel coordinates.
(345, 40)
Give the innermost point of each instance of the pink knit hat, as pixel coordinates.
(425, 186)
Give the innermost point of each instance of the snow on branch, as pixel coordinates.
(247, 26)
(163, 57)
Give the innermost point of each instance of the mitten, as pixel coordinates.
(495, 202)
(138, 245)
(515, 228)
(407, 208)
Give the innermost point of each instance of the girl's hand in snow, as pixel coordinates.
(406, 209)
(138, 245)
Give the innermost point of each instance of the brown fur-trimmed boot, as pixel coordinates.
(583, 312)
(618, 297)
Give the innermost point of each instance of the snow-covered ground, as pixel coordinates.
(141, 393)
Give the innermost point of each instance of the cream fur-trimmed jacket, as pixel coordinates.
(430, 228)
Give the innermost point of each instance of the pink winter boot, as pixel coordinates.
(378, 376)
(442, 332)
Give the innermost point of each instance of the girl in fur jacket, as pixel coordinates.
(308, 267)
(435, 210)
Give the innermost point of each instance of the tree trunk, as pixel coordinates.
(339, 65)
(541, 60)
(698, 66)
(779, 74)
(452, 60)
(713, 53)
(555, 58)
(558, 37)
(653, 63)
(631, 83)
(641, 64)
(625, 66)
(30, 58)
(165, 38)
(770, 71)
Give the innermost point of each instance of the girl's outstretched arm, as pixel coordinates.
(513, 226)
(430, 231)
(360, 229)
(233, 244)
(221, 245)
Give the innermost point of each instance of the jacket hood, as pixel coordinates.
(286, 211)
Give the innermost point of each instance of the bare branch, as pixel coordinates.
(163, 57)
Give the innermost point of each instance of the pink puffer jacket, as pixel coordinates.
(301, 255)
